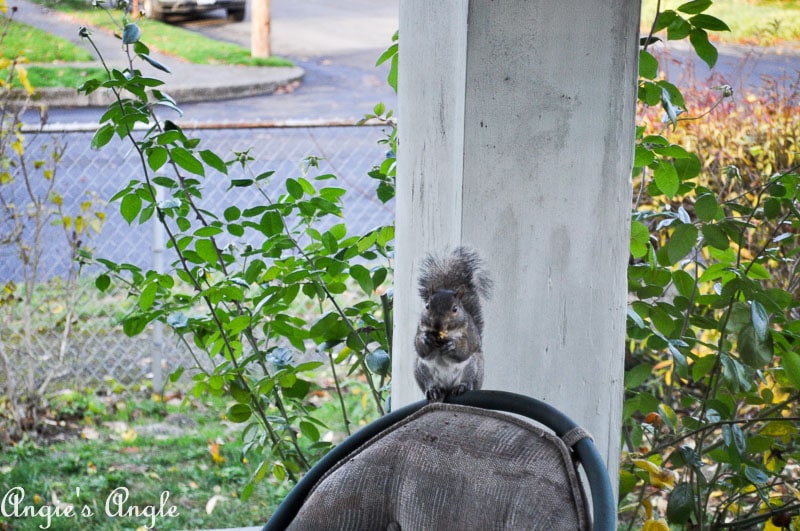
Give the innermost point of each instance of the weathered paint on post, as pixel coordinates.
(516, 138)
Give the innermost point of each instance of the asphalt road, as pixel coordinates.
(337, 43)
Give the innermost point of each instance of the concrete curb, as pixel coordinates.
(223, 82)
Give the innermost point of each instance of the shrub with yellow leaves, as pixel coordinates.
(711, 416)
(30, 201)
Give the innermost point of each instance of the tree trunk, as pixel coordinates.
(516, 138)
(259, 32)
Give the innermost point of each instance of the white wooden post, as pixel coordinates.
(516, 138)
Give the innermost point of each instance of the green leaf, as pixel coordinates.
(294, 188)
(232, 213)
(627, 482)
(715, 236)
(756, 476)
(250, 487)
(207, 232)
(678, 29)
(707, 208)
(772, 208)
(102, 136)
(157, 157)
(187, 161)
(239, 392)
(703, 47)
(648, 65)
(213, 160)
(175, 375)
(684, 282)
(666, 178)
(760, 320)
(216, 382)
(390, 52)
(391, 79)
(155, 64)
(238, 324)
(708, 22)
(298, 389)
(279, 471)
(134, 325)
(102, 282)
(638, 375)
(271, 223)
(309, 431)
(642, 156)
(702, 366)
(148, 296)
(674, 151)
(130, 207)
(680, 504)
(329, 328)
(362, 276)
(688, 167)
(694, 7)
(307, 186)
(239, 412)
(330, 242)
(207, 251)
(791, 366)
(662, 320)
(681, 243)
(752, 351)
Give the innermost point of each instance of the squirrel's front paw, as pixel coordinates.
(461, 389)
(434, 394)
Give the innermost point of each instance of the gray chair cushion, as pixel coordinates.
(451, 467)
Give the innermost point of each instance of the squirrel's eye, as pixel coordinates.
(455, 309)
(427, 306)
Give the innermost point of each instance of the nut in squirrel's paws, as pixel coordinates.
(442, 335)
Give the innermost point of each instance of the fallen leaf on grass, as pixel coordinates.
(89, 433)
(129, 435)
(212, 503)
(213, 447)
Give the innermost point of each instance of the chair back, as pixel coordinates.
(457, 466)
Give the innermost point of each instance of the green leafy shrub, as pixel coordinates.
(270, 298)
(713, 370)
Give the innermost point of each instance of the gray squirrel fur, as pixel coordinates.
(448, 341)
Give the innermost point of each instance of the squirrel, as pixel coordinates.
(448, 340)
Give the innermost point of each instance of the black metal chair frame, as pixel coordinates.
(602, 494)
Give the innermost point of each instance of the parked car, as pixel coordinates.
(160, 9)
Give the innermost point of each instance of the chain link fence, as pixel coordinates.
(87, 344)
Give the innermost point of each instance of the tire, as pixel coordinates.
(152, 9)
(235, 15)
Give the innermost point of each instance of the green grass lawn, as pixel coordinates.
(37, 46)
(42, 48)
(140, 456)
(103, 447)
(763, 22)
(167, 38)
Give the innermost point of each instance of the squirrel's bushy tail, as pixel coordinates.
(461, 270)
